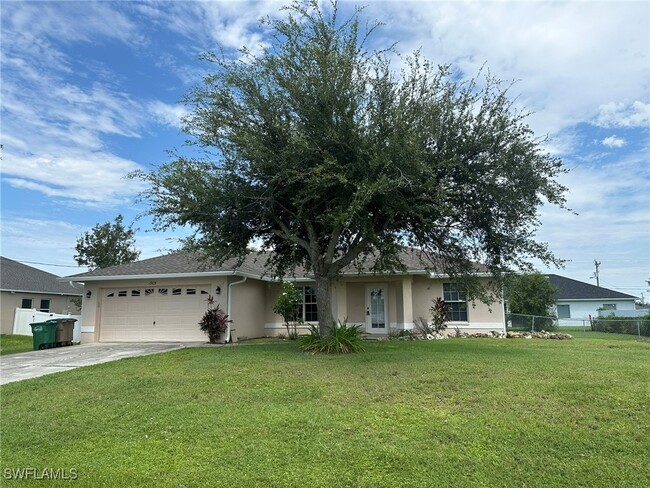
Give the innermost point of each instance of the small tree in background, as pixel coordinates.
(532, 294)
(288, 306)
(107, 245)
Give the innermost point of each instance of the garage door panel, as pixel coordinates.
(170, 313)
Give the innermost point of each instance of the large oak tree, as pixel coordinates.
(319, 151)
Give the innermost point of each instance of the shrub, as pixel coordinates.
(439, 311)
(341, 339)
(288, 306)
(622, 325)
(423, 327)
(438, 323)
(215, 324)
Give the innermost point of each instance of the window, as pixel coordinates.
(609, 306)
(308, 310)
(190, 291)
(45, 305)
(309, 304)
(456, 301)
(121, 293)
(148, 292)
(176, 291)
(563, 311)
(26, 303)
(135, 293)
(162, 291)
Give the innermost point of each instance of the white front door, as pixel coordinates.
(376, 309)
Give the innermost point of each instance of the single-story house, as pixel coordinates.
(163, 299)
(23, 286)
(576, 300)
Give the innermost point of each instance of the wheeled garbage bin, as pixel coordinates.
(64, 331)
(44, 334)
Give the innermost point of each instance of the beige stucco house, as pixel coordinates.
(163, 299)
(23, 286)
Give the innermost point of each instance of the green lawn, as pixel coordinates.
(13, 344)
(458, 412)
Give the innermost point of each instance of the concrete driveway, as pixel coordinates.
(16, 367)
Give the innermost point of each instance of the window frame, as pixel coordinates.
(304, 305)
(456, 300)
(31, 303)
(565, 306)
(49, 305)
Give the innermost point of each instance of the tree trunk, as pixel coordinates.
(324, 303)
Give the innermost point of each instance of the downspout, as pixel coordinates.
(229, 305)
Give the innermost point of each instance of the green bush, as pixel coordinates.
(622, 325)
(341, 339)
(288, 306)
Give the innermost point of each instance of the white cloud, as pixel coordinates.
(613, 141)
(167, 114)
(622, 114)
(50, 241)
(612, 224)
(571, 57)
(92, 178)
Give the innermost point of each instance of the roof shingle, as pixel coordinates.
(569, 289)
(253, 264)
(15, 276)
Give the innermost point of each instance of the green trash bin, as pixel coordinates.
(44, 334)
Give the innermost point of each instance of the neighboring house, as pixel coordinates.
(577, 300)
(22, 286)
(163, 299)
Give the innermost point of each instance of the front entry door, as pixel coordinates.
(376, 309)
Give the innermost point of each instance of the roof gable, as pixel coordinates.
(569, 289)
(15, 276)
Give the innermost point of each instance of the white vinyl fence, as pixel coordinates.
(26, 316)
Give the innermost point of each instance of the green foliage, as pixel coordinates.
(531, 294)
(76, 302)
(622, 325)
(106, 245)
(288, 306)
(315, 147)
(215, 324)
(341, 338)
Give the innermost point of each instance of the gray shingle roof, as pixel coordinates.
(569, 289)
(253, 264)
(15, 276)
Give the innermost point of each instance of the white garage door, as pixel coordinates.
(156, 313)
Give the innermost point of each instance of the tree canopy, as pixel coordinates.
(531, 294)
(320, 151)
(106, 245)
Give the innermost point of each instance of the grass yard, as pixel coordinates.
(13, 344)
(454, 413)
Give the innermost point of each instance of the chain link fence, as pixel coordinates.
(622, 325)
(532, 323)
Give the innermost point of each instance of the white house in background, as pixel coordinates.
(24, 287)
(576, 300)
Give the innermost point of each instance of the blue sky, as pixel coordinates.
(90, 91)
